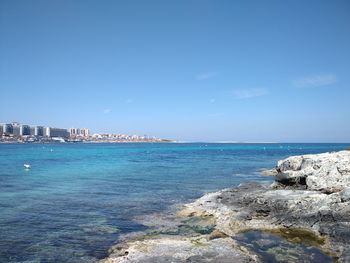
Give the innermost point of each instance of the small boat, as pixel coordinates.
(27, 166)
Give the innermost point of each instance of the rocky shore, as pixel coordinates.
(304, 216)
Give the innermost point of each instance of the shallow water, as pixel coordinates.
(273, 248)
(78, 198)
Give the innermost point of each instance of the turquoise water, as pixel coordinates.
(78, 198)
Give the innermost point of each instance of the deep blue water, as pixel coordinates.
(77, 198)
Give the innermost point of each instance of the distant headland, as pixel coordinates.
(22, 133)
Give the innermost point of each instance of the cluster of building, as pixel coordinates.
(16, 132)
(108, 137)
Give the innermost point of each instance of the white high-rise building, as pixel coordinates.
(16, 129)
(7, 128)
(77, 132)
(84, 132)
(39, 131)
(74, 132)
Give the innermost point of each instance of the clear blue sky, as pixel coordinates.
(186, 70)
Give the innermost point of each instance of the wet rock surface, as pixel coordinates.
(278, 248)
(308, 207)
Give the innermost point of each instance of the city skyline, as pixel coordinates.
(226, 71)
(72, 130)
(16, 132)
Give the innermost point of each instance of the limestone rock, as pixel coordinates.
(181, 250)
(328, 171)
(345, 195)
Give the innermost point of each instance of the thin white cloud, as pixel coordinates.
(314, 81)
(211, 101)
(249, 93)
(218, 114)
(107, 111)
(206, 75)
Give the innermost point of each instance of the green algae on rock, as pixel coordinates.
(299, 235)
(282, 246)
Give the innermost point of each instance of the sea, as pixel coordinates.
(76, 200)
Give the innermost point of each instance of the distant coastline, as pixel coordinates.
(10, 140)
(21, 133)
(87, 141)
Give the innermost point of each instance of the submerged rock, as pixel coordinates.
(284, 246)
(269, 172)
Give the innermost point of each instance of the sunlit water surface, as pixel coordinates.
(78, 198)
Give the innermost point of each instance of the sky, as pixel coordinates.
(189, 70)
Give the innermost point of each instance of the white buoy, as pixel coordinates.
(27, 166)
